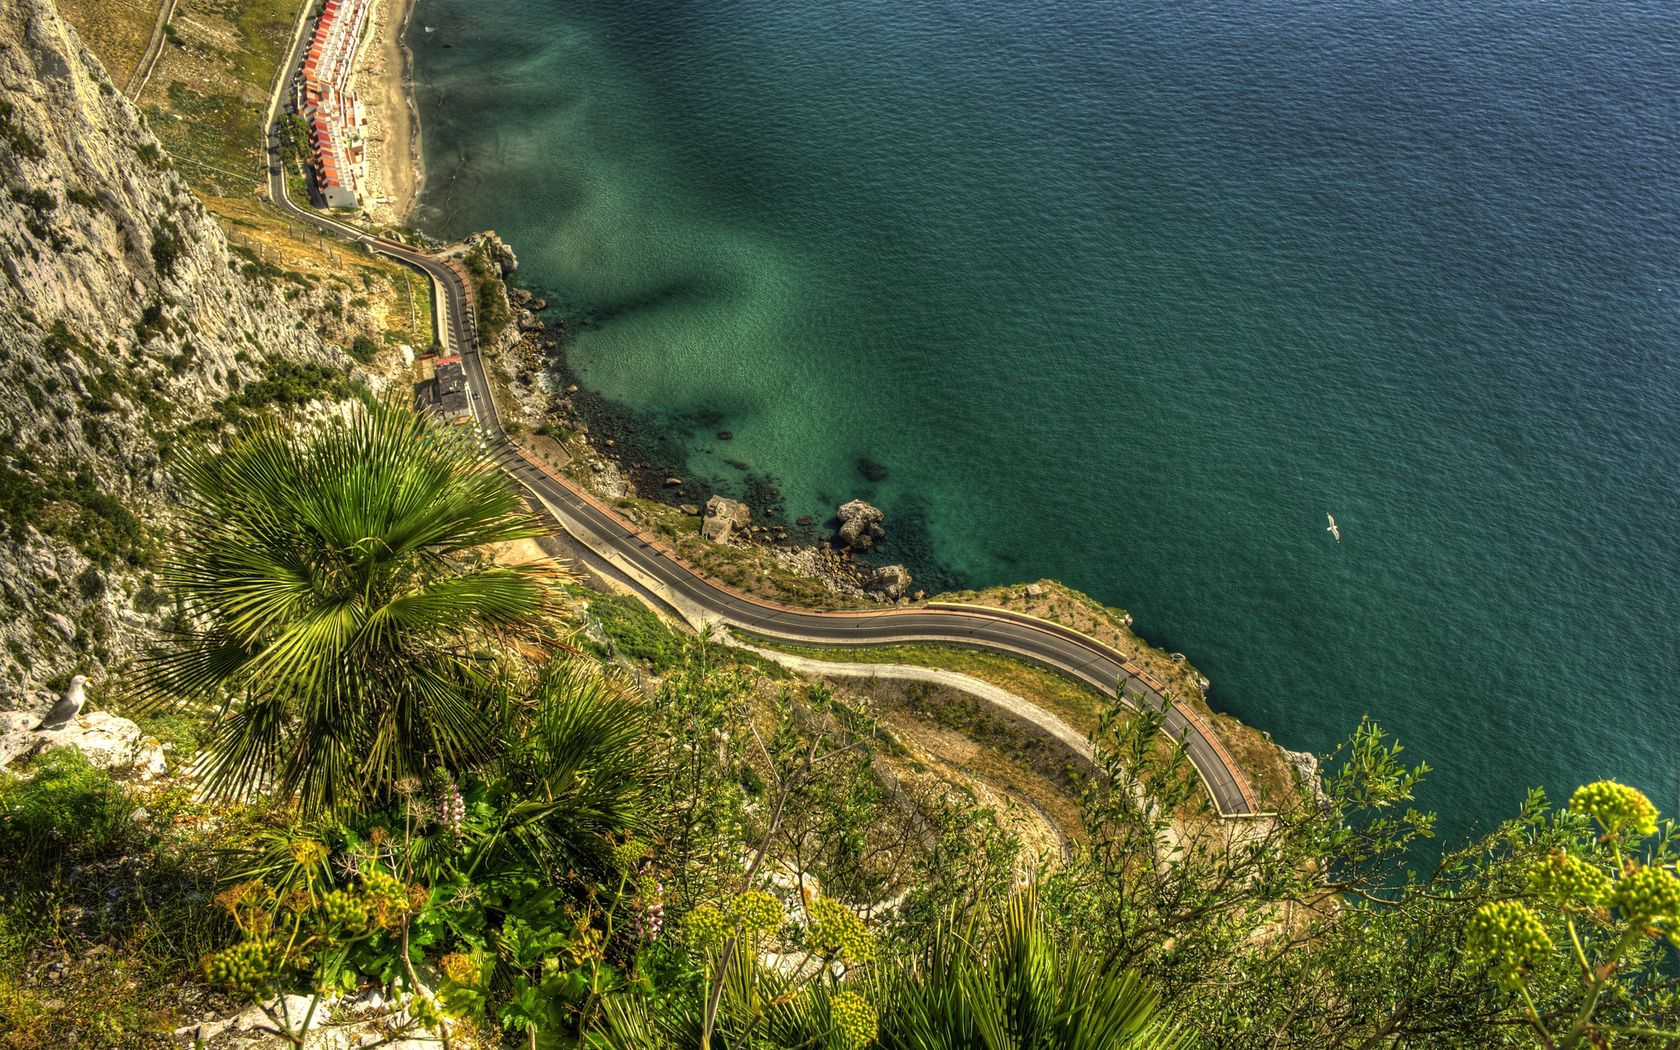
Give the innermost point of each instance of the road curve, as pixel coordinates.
(626, 547)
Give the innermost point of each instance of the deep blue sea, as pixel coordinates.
(1132, 295)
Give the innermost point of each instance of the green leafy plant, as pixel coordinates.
(311, 935)
(339, 605)
(1604, 907)
(1007, 985)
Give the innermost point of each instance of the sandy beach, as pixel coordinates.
(395, 170)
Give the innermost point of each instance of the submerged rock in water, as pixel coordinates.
(871, 470)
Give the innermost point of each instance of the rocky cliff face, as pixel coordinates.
(125, 323)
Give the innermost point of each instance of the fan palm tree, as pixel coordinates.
(339, 604)
(1014, 988)
(575, 774)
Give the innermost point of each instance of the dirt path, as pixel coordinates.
(154, 48)
(1005, 701)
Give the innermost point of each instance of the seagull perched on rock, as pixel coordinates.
(1333, 530)
(68, 708)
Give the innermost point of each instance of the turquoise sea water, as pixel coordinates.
(1132, 295)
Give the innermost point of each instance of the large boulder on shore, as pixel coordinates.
(724, 517)
(108, 741)
(890, 582)
(860, 525)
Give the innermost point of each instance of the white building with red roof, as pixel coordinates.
(324, 99)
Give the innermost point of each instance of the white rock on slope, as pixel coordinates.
(109, 741)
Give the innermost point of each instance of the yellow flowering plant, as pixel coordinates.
(1604, 908)
(307, 934)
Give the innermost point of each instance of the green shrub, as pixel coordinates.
(39, 199)
(167, 245)
(635, 632)
(14, 136)
(90, 583)
(286, 384)
(65, 810)
(362, 348)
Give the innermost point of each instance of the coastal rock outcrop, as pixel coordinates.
(1307, 773)
(890, 582)
(108, 741)
(501, 252)
(124, 317)
(860, 525)
(724, 518)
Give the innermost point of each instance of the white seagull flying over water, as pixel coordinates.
(1333, 530)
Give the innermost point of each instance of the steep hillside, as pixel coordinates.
(125, 323)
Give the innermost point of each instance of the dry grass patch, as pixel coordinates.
(116, 31)
(1040, 809)
(1074, 703)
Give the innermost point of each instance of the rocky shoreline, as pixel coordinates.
(616, 456)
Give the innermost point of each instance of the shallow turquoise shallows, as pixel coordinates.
(1132, 295)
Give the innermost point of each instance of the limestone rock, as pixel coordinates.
(1035, 590)
(120, 305)
(860, 525)
(17, 735)
(501, 253)
(724, 517)
(108, 741)
(889, 582)
(338, 1023)
(1305, 765)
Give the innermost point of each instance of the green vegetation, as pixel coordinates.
(518, 843)
(634, 632)
(73, 507)
(104, 908)
(488, 297)
(167, 246)
(17, 141)
(285, 385)
(65, 811)
(362, 348)
(341, 567)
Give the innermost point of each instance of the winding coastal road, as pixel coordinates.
(655, 569)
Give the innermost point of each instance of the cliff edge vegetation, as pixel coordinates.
(396, 778)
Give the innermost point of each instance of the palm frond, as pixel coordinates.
(1016, 989)
(338, 604)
